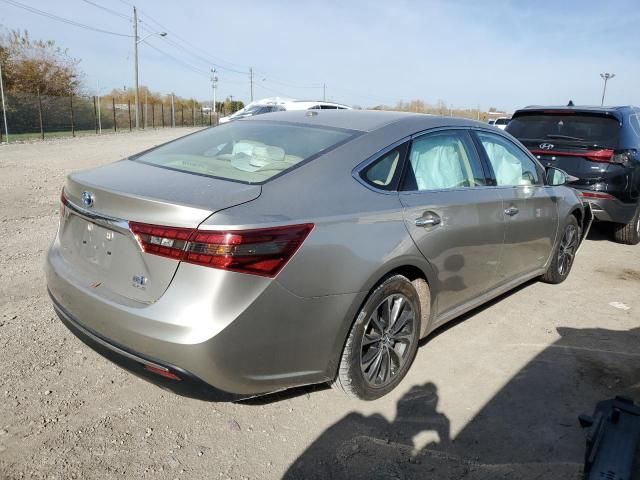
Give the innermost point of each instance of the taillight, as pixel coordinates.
(261, 251)
(599, 155)
(600, 195)
(163, 241)
(604, 155)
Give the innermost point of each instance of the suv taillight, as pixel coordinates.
(262, 251)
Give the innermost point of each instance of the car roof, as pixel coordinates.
(364, 120)
(615, 111)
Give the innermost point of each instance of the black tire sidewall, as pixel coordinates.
(395, 284)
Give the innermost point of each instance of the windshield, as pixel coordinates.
(502, 121)
(579, 128)
(250, 152)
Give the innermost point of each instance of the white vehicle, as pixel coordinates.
(501, 122)
(277, 104)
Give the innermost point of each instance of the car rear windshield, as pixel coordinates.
(249, 152)
(576, 128)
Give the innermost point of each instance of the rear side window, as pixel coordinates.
(579, 128)
(385, 172)
(512, 167)
(250, 152)
(442, 161)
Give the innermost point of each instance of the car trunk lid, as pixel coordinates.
(95, 238)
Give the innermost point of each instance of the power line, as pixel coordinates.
(181, 62)
(195, 47)
(61, 19)
(112, 12)
(202, 59)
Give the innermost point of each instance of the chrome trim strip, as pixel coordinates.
(60, 311)
(112, 223)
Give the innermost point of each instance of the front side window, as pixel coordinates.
(250, 152)
(511, 166)
(442, 161)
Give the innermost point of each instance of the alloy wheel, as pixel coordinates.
(387, 340)
(567, 250)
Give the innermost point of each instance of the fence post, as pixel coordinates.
(113, 105)
(162, 112)
(95, 114)
(73, 126)
(129, 107)
(182, 115)
(173, 111)
(153, 115)
(201, 117)
(193, 114)
(40, 114)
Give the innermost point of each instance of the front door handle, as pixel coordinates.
(511, 211)
(430, 221)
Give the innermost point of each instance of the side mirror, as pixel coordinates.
(556, 177)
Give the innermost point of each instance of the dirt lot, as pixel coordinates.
(495, 395)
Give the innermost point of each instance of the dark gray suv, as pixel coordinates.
(600, 146)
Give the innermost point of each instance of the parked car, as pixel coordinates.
(501, 122)
(269, 105)
(269, 253)
(600, 146)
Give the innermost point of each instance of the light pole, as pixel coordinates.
(606, 77)
(214, 83)
(136, 41)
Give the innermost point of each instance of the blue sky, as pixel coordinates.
(502, 53)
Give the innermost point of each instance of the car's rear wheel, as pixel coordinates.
(383, 340)
(563, 257)
(628, 233)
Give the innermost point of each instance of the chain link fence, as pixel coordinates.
(31, 116)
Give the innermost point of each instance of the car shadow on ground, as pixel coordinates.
(528, 429)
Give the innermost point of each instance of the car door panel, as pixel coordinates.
(464, 248)
(454, 219)
(530, 207)
(529, 232)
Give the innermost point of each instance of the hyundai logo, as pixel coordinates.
(87, 199)
(547, 146)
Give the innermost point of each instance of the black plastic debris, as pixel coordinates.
(612, 441)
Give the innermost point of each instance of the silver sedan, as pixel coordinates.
(302, 247)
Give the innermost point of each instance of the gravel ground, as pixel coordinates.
(494, 395)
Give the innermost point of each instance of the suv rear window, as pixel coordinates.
(249, 152)
(581, 128)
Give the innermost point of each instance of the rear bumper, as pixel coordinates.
(187, 384)
(612, 210)
(229, 334)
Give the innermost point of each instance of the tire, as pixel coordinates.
(628, 233)
(564, 254)
(388, 350)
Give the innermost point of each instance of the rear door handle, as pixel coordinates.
(428, 221)
(511, 211)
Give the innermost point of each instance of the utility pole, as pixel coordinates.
(324, 92)
(135, 54)
(136, 41)
(251, 81)
(4, 108)
(214, 82)
(606, 77)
